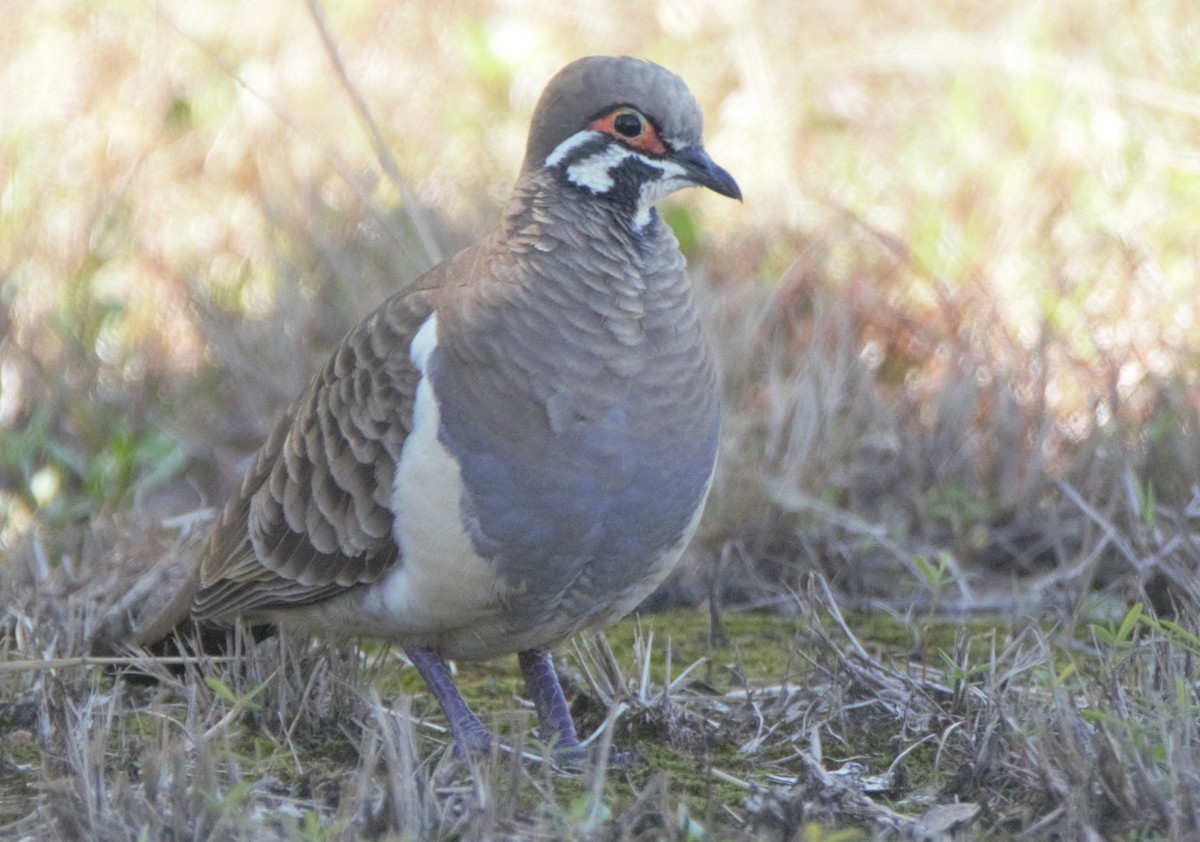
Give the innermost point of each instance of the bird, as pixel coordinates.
(517, 446)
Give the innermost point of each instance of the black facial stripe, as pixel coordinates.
(628, 178)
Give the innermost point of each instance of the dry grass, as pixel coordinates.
(1031, 732)
(959, 318)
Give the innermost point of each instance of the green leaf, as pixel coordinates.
(220, 688)
(689, 828)
(1131, 620)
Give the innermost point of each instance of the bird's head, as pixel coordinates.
(625, 131)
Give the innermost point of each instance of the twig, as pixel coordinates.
(1110, 531)
(89, 661)
(386, 160)
(726, 778)
(796, 501)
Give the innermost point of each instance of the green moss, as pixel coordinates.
(755, 645)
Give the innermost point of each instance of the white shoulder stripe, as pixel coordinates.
(424, 343)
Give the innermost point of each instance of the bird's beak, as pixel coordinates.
(704, 172)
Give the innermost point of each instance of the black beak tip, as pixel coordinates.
(707, 173)
(726, 186)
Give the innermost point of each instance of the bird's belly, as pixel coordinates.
(511, 538)
(562, 559)
(586, 524)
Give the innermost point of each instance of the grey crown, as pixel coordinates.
(586, 87)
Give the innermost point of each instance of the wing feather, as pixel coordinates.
(313, 516)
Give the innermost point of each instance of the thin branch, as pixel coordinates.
(386, 160)
(88, 661)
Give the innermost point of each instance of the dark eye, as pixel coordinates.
(629, 124)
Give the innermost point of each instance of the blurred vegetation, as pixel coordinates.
(964, 276)
(995, 194)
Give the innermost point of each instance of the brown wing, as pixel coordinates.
(314, 513)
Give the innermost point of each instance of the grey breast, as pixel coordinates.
(578, 394)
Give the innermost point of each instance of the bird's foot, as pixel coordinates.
(578, 756)
(471, 739)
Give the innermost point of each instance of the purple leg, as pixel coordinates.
(469, 733)
(541, 682)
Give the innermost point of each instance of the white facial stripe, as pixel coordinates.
(595, 171)
(669, 169)
(573, 142)
(642, 218)
(674, 178)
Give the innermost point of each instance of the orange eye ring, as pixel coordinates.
(631, 128)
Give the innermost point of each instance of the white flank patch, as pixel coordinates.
(574, 141)
(441, 583)
(423, 343)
